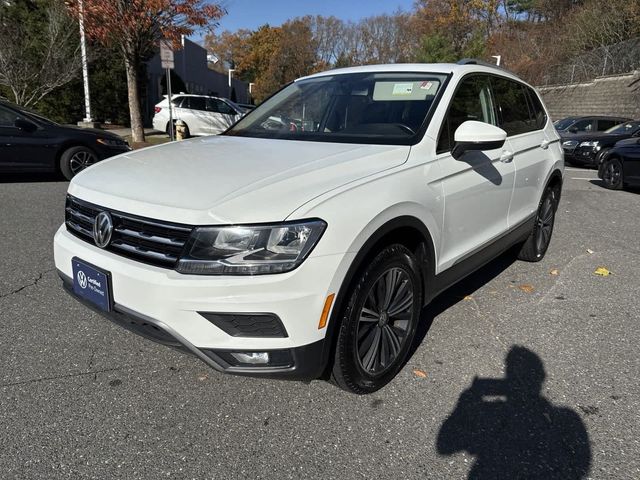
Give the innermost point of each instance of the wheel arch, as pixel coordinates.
(406, 230)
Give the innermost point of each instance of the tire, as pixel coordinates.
(75, 159)
(379, 323)
(612, 174)
(535, 246)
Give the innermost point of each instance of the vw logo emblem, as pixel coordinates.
(102, 229)
(82, 279)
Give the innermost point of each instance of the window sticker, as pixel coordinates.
(402, 88)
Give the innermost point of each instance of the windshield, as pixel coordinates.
(33, 115)
(382, 108)
(628, 128)
(564, 124)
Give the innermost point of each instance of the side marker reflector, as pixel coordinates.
(325, 311)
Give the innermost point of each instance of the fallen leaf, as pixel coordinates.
(554, 272)
(526, 288)
(419, 373)
(203, 377)
(602, 271)
(468, 297)
(589, 251)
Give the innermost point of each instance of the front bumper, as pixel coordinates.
(172, 304)
(583, 155)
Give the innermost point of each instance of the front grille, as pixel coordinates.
(149, 241)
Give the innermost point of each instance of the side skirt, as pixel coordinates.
(479, 258)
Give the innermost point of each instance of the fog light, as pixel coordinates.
(254, 358)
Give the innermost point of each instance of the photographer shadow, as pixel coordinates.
(513, 431)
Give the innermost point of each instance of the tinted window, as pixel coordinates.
(196, 103)
(582, 126)
(472, 101)
(511, 100)
(628, 128)
(606, 124)
(177, 101)
(218, 106)
(7, 117)
(539, 115)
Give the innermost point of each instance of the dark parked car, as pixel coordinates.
(588, 149)
(577, 125)
(620, 166)
(31, 143)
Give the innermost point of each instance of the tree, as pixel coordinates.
(39, 49)
(135, 28)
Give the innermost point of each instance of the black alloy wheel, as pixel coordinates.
(612, 176)
(379, 323)
(536, 245)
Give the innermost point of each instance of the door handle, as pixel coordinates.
(544, 145)
(506, 157)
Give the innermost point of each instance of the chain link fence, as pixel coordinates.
(623, 57)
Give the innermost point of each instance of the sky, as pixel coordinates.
(253, 13)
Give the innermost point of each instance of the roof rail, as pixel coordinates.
(475, 61)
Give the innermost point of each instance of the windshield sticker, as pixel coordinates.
(402, 89)
(426, 85)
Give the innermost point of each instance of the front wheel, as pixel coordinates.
(379, 323)
(76, 159)
(536, 245)
(612, 176)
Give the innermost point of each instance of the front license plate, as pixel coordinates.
(91, 284)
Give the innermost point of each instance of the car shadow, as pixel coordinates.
(459, 291)
(33, 177)
(512, 430)
(627, 188)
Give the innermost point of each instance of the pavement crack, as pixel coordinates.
(61, 377)
(32, 284)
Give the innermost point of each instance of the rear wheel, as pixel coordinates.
(379, 323)
(612, 175)
(535, 247)
(76, 159)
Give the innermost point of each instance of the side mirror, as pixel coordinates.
(477, 136)
(25, 125)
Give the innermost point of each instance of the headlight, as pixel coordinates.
(569, 143)
(250, 250)
(589, 144)
(112, 142)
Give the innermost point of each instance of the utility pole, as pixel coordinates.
(88, 120)
(231, 70)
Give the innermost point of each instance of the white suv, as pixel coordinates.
(305, 241)
(202, 115)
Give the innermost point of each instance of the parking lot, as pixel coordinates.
(82, 398)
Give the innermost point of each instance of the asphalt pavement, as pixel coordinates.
(524, 371)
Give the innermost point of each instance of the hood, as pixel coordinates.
(93, 132)
(227, 180)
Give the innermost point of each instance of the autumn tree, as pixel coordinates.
(39, 49)
(135, 28)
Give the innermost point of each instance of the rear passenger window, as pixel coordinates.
(606, 124)
(196, 103)
(513, 109)
(472, 101)
(539, 115)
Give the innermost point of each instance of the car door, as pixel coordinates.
(22, 149)
(521, 115)
(478, 186)
(196, 116)
(631, 162)
(221, 113)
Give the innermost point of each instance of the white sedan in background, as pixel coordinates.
(203, 115)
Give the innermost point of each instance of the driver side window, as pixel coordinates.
(471, 101)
